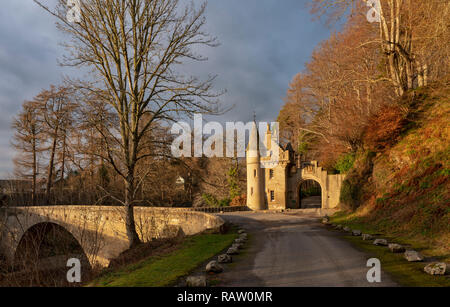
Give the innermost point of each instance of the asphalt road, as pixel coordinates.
(295, 250)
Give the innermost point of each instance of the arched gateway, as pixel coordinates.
(277, 187)
(309, 194)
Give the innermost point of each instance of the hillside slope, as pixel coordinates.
(400, 185)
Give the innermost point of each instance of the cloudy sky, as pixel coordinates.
(264, 43)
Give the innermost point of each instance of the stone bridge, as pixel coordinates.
(99, 230)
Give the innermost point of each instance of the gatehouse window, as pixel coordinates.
(252, 191)
(254, 173)
(272, 195)
(271, 173)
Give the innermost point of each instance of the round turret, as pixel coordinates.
(255, 174)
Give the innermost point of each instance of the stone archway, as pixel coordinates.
(42, 254)
(310, 194)
(47, 240)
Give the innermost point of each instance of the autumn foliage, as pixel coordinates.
(239, 201)
(385, 127)
(348, 97)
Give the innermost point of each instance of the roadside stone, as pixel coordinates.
(243, 238)
(238, 241)
(356, 233)
(436, 268)
(347, 229)
(224, 258)
(326, 220)
(380, 242)
(413, 256)
(367, 237)
(396, 248)
(237, 246)
(232, 251)
(196, 282)
(338, 227)
(214, 267)
(241, 231)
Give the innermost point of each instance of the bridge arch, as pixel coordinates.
(48, 246)
(87, 227)
(40, 238)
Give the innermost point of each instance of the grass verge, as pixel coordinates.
(164, 270)
(409, 274)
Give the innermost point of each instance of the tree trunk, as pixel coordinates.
(420, 75)
(425, 74)
(395, 75)
(50, 170)
(63, 162)
(33, 184)
(129, 211)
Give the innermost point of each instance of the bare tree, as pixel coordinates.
(27, 141)
(134, 47)
(56, 109)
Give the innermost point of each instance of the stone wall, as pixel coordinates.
(334, 184)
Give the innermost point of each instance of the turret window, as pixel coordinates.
(272, 195)
(251, 191)
(271, 173)
(254, 173)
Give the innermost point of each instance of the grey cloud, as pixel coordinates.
(264, 43)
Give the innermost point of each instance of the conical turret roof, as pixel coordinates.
(253, 143)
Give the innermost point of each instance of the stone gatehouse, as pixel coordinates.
(274, 182)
